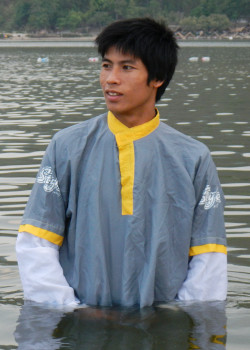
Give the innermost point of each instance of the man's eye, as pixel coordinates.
(106, 65)
(127, 67)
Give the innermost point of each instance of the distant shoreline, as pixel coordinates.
(54, 44)
(21, 40)
(25, 37)
(230, 36)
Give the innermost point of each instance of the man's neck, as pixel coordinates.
(133, 120)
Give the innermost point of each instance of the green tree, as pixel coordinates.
(43, 15)
(174, 17)
(135, 9)
(155, 8)
(218, 22)
(97, 15)
(22, 13)
(189, 24)
(121, 8)
(7, 10)
(203, 23)
(72, 21)
(234, 9)
(50, 14)
(214, 22)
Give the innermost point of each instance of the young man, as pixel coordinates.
(125, 210)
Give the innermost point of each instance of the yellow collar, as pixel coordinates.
(125, 138)
(122, 132)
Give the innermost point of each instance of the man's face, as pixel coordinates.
(123, 80)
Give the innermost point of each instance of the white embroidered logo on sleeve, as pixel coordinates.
(210, 199)
(50, 183)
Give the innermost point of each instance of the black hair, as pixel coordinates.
(144, 38)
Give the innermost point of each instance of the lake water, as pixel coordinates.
(209, 101)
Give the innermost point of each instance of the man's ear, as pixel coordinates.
(157, 83)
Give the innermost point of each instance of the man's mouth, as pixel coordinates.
(113, 93)
(113, 96)
(110, 93)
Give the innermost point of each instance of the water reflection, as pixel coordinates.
(169, 326)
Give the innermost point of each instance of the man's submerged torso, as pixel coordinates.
(110, 258)
(128, 207)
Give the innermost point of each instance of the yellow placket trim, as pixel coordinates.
(125, 138)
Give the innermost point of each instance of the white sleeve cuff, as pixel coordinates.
(41, 273)
(206, 279)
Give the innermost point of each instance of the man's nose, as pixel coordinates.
(113, 76)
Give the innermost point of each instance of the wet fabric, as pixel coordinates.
(110, 258)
